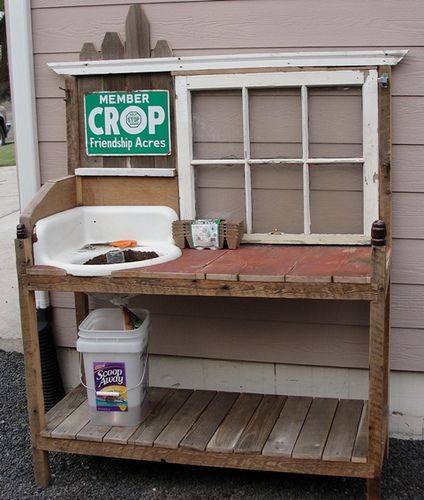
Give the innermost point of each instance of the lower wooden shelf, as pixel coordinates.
(225, 429)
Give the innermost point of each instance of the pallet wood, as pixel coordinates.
(121, 435)
(180, 424)
(137, 45)
(160, 417)
(257, 431)
(73, 423)
(113, 48)
(86, 85)
(360, 449)
(287, 428)
(184, 409)
(204, 428)
(130, 191)
(206, 288)
(164, 81)
(72, 123)
(342, 436)
(62, 409)
(314, 433)
(55, 196)
(225, 438)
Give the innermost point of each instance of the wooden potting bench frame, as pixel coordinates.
(261, 432)
(273, 433)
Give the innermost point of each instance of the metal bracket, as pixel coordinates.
(383, 80)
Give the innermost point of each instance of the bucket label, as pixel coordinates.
(111, 386)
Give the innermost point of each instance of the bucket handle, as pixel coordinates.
(114, 394)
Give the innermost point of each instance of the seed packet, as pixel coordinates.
(131, 320)
(205, 233)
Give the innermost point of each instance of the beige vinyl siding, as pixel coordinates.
(264, 330)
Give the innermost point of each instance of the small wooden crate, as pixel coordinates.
(230, 234)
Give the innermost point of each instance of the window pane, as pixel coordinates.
(275, 117)
(217, 124)
(335, 122)
(277, 198)
(336, 199)
(220, 192)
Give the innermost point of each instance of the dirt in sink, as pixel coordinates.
(129, 256)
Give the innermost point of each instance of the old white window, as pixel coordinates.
(294, 154)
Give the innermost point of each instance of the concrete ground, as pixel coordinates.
(10, 328)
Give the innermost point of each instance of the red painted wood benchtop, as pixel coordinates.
(320, 264)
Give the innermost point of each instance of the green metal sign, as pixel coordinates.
(127, 123)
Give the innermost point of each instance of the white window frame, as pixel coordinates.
(367, 79)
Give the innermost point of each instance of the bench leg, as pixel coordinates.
(373, 488)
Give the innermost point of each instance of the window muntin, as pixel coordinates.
(303, 96)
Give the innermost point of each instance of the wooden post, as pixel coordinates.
(34, 384)
(87, 84)
(378, 352)
(164, 81)
(385, 149)
(137, 44)
(113, 48)
(72, 123)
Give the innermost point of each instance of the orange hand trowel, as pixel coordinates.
(117, 244)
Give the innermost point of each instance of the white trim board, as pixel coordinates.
(125, 172)
(233, 61)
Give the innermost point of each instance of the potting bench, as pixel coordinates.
(251, 431)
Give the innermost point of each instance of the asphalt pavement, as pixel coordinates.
(77, 477)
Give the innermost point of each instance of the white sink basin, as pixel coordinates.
(60, 238)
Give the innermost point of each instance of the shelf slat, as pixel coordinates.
(183, 420)
(343, 431)
(226, 437)
(287, 428)
(257, 431)
(204, 428)
(316, 428)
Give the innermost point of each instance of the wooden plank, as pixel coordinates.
(385, 150)
(150, 429)
(354, 265)
(185, 456)
(72, 123)
(113, 48)
(287, 428)
(184, 419)
(87, 84)
(63, 409)
(54, 196)
(33, 376)
(378, 361)
(343, 431)
(258, 429)
(253, 263)
(201, 287)
(226, 436)
(93, 432)
(317, 264)
(360, 449)
(69, 428)
(314, 433)
(130, 191)
(121, 435)
(204, 428)
(189, 266)
(137, 44)
(163, 81)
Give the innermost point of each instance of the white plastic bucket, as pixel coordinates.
(116, 366)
